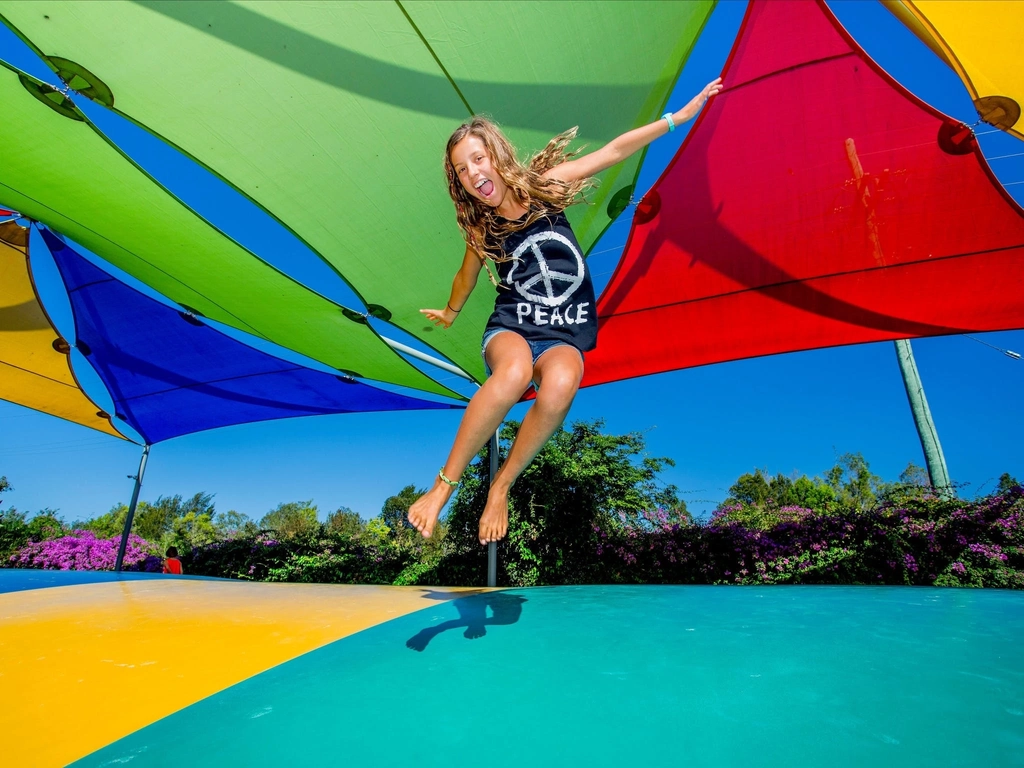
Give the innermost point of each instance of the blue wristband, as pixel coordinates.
(671, 123)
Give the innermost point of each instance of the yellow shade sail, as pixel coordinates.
(35, 369)
(981, 41)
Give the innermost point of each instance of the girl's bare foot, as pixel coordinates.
(494, 520)
(424, 511)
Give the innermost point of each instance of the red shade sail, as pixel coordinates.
(815, 203)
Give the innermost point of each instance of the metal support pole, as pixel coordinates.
(399, 347)
(492, 547)
(933, 456)
(926, 431)
(131, 509)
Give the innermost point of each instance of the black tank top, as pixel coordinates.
(545, 291)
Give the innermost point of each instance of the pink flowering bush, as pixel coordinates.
(82, 551)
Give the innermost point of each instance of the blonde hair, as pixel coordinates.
(481, 226)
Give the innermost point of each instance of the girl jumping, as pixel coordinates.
(544, 318)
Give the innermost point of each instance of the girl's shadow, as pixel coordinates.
(505, 609)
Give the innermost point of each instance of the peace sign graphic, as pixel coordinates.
(549, 277)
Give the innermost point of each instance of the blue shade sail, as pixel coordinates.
(170, 374)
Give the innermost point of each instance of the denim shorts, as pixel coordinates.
(537, 348)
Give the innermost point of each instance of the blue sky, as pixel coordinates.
(792, 413)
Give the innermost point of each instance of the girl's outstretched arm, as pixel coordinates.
(462, 286)
(625, 145)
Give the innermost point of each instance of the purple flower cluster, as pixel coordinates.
(930, 540)
(82, 551)
(990, 551)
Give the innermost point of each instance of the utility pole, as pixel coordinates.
(929, 436)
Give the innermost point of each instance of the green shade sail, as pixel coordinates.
(334, 116)
(62, 172)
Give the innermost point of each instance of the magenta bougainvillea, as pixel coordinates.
(82, 551)
(927, 541)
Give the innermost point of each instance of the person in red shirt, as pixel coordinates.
(172, 564)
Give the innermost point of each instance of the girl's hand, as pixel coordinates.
(443, 317)
(690, 110)
(620, 148)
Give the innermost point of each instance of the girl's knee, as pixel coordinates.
(559, 387)
(514, 376)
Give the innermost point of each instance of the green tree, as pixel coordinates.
(344, 522)
(780, 491)
(752, 489)
(397, 507)
(4, 485)
(154, 521)
(915, 475)
(1006, 483)
(193, 529)
(759, 502)
(16, 530)
(582, 479)
(377, 532)
(45, 525)
(811, 494)
(291, 519)
(853, 483)
(13, 533)
(232, 524)
(105, 526)
(913, 483)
